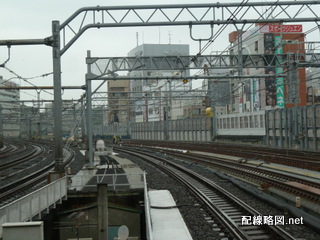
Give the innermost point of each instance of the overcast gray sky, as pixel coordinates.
(20, 19)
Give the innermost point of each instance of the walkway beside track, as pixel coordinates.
(167, 222)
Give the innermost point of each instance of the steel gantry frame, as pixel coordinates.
(64, 35)
(106, 65)
(185, 14)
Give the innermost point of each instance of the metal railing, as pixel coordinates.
(31, 205)
(147, 210)
(116, 182)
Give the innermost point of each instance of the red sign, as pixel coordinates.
(278, 29)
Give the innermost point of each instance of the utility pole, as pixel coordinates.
(213, 107)
(89, 112)
(293, 96)
(75, 130)
(57, 111)
(83, 138)
(170, 100)
(39, 117)
(1, 128)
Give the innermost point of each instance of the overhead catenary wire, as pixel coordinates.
(26, 79)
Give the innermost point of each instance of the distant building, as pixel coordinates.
(313, 86)
(118, 101)
(153, 98)
(218, 91)
(272, 92)
(71, 114)
(10, 108)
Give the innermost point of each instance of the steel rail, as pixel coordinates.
(22, 159)
(11, 149)
(215, 205)
(294, 158)
(12, 189)
(274, 179)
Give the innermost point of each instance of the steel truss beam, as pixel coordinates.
(195, 77)
(179, 15)
(38, 101)
(186, 14)
(109, 66)
(44, 87)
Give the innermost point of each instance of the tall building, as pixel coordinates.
(118, 101)
(272, 92)
(10, 108)
(153, 97)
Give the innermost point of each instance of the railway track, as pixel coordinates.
(23, 179)
(294, 158)
(258, 175)
(10, 149)
(30, 153)
(227, 209)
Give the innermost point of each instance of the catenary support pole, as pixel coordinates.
(213, 107)
(1, 128)
(89, 112)
(57, 107)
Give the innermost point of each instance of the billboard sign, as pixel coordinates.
(281, 28)
(279, 70)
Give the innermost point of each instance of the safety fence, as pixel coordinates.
(201, 129)
(294, 127)
(31, 205)
(287, 127)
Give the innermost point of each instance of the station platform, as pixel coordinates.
(125, 192)
(167, 222)
(125, 179)
(119, 173)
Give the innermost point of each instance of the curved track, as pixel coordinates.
(289, 157)
(225, 207)
(27, 172)
(11, 149)
(260, 176)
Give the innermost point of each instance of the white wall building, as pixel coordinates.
(153, 98)
(9, 101)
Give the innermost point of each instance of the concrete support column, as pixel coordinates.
(102, 211)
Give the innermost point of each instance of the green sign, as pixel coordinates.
(279, 70)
